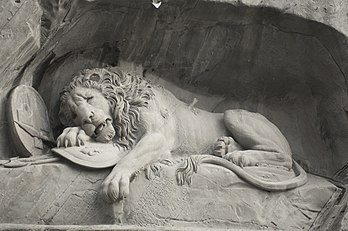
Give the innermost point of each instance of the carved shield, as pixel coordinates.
(28, 122)
(93, 154)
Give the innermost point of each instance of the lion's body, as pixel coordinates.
(165, 126)
(186, 130)
(191, 131)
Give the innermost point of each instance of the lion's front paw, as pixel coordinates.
(116, 187)
(72, 136)
(241, 158)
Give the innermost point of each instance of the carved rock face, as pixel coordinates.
(211, 201)
(287, 67)
(282, 66)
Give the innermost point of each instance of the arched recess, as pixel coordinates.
(291, 69)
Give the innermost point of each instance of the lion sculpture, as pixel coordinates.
(110, 106)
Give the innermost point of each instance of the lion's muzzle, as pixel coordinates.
(105, 132)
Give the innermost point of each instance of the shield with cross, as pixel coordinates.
(29, 124)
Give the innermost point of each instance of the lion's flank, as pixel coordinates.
(126, 93)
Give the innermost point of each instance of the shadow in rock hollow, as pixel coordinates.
(291, 69)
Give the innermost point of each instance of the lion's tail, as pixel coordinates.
(185, 173)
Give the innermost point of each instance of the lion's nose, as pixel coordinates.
(88, 119)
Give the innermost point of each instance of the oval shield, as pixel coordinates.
(29, 124)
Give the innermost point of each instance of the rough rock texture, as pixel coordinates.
(329, 12)
(344, 224)
(285, 59)
(19, 40)
(51, 187)
(286, 67)
(66, 194)
(266, 60)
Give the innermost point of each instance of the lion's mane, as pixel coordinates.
(126, 93)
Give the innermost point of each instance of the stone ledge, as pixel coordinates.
(102, 228)
(66, 194)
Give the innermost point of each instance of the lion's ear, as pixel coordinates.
(95, 78)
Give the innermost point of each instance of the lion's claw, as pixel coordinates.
(116, 188)
(113, 191)
(72, 136)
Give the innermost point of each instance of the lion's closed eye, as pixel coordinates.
(89, 99)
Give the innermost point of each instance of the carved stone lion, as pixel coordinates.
(109, 105)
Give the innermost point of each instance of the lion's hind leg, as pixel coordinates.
(262, 141)
(257, 157)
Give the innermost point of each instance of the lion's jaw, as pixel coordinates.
(104, 132)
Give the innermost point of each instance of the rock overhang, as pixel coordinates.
(290, 68)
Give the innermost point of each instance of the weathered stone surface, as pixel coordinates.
(228, 54)
(19, 37)
(19, 40)
(225, 201)
(38, 195)
(329, 12)
(344, 224)
(296, 36)
(279, 57)
(286, 67)
(65, 194)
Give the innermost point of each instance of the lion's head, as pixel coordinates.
(105, 103)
